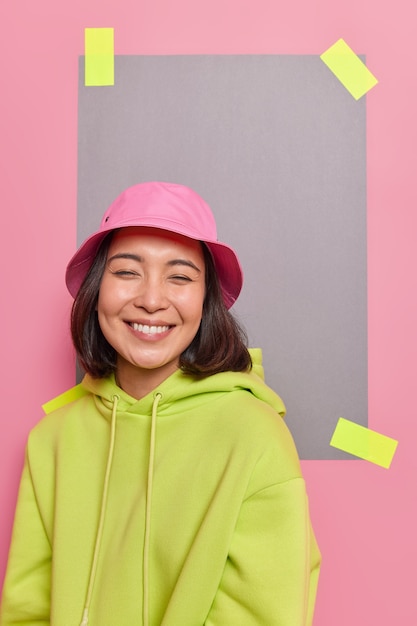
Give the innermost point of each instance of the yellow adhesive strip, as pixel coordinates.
(65, 398)
(99, 57)
(364, 443)
(349, 69)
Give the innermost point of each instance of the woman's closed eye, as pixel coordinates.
(130, 273)
(124, 272)
(180, 278)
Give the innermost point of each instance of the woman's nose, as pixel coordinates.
(151, 297)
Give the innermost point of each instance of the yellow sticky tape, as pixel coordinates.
(65, 398)
(363, 442)
(349, 69)
(99, 57)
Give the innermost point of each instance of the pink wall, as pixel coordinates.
(365, 516)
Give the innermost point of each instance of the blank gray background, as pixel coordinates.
(277, 147)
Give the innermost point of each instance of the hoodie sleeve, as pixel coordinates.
(271, 573)
(26, 591)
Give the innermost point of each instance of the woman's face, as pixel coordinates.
(150, 302)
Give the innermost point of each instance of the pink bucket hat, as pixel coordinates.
(171, 207)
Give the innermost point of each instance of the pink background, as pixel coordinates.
(365, 517)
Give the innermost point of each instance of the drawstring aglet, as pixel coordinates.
(84, 621)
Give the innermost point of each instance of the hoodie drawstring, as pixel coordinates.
(100, 527)
(149, 488)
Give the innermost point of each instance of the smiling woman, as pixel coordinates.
(178, 451)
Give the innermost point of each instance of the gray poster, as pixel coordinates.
(277, 147)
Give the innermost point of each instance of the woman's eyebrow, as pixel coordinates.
(135, 257)
(183, 262)
(126, 255)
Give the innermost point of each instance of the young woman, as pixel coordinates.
(170, 494)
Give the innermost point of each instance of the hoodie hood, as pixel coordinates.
(179, 391)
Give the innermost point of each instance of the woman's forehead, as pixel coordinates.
(144, 236)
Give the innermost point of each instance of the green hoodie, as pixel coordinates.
(184, 508)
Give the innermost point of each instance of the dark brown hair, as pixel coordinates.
(220, 344)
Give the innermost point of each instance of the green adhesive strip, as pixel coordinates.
(364, 443)
(65, 398)
(99, 57)
(349, 69)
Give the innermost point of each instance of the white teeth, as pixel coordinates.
(149, 330)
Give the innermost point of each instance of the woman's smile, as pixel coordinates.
(150, 331)
(147, 329)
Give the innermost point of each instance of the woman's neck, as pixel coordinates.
(139, 382)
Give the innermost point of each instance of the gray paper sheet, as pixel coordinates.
(277, 147)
